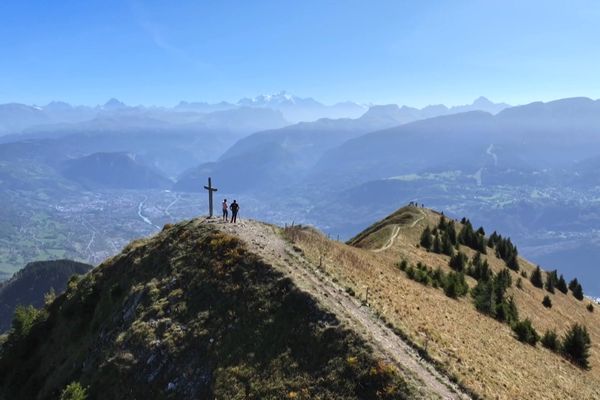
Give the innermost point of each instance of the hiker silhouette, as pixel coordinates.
(235, 207)
(225, 211)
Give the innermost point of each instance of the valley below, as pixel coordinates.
(551, 226)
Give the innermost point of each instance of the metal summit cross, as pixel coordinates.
(210, 197)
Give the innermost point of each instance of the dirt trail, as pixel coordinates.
(396, 232)
(265, 241)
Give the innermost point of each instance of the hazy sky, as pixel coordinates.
(407, 52)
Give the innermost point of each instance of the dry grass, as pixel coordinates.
(481, 352)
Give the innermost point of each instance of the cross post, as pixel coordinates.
(210, 197)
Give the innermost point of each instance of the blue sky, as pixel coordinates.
(406, 52)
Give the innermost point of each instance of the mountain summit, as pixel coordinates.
(206, 309)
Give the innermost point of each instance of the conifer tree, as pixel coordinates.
(525, 332)
(573, 284)
(458, 262)
(447, 247)
(426, 241)
(578, 292)
(437, 244)
(442, 224)
(451, 230)
(576, 345)
(536, 278)
(550, 282)
(561, 284)
(513, 263)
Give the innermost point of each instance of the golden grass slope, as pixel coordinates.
(478, 351)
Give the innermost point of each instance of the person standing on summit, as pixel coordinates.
(235, 207)
(225, 212)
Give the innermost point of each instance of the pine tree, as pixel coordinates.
(536, 278)
(451, 230)
(442, 224)
(483, 297)
(576, 345)
(513, 263)
(426, 241)
(437, 244)
(455, 286)
(458, 262)
(550, 282)
(506, 311)
(578, 292)
(573, 284)
(447, 247)
(561, 284)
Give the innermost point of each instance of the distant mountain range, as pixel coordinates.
(113, 170)
(18, 118)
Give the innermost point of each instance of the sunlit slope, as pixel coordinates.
(480, 352)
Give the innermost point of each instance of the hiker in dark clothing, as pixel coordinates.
(234, 210)
(225, 212)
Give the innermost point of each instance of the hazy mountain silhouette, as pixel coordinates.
(113, 170)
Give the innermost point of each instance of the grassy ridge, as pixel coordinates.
(191, 314)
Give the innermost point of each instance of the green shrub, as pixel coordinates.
(480, 268)
(483, 297)
(525, 332)
(576, 345)
(590, 307)
(402, 265)
(506, 311)
(550, 341)
(23, 320)
(455, 285)
(74, 391)
(547, 302)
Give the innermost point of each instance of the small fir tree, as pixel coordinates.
(576, 345)
(536, 278)
(525, 332)
(551, 341)
(561, 284)
(426, 241)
